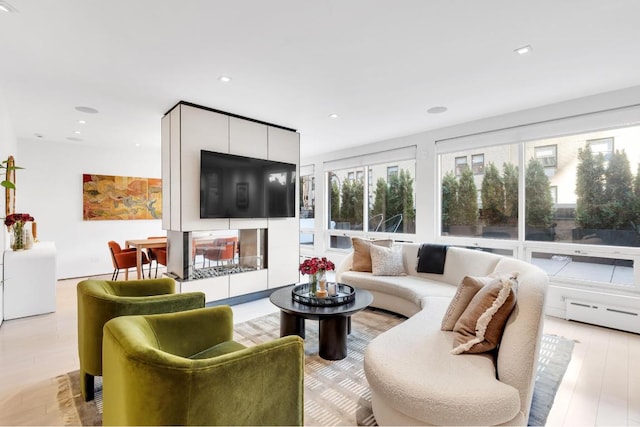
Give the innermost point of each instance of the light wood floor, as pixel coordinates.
(601, 386)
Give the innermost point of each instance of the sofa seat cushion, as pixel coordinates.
(421, 379)
(411, 288)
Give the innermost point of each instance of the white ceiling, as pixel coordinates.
(380, 65)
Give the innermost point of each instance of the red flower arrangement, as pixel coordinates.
(15, 222)
(314, 265)
(17, 218)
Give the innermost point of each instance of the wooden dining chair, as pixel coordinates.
(125, 259)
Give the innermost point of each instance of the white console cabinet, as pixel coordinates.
(30, 281)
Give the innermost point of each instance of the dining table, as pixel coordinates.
(140, 245)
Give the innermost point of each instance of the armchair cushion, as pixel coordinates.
(218, 350)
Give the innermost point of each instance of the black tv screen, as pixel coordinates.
(234, 186)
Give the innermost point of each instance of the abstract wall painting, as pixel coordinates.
(108, 197)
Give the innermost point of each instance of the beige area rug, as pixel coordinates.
(336, 392)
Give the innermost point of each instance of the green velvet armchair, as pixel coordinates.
(185, 369)
(102, 300)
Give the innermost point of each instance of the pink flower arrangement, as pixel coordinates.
(314, 265)
(17, 218)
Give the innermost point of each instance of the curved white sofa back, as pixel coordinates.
(518, 354)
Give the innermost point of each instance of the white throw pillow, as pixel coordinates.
(386, 261)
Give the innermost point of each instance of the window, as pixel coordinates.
(392, 207)
(480, 205)
(307, 196)
(461, 165)
(548, 155)
(583, 214)
(391, 172)
(346, 200)
(602, 146)
(380, 199)
(307, 208)
(477, 164)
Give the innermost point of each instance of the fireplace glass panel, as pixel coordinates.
(222, 252)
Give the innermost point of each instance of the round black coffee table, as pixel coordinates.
(335, 321)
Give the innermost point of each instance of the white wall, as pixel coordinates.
(50, 189)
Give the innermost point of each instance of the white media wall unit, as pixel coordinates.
(265, 250)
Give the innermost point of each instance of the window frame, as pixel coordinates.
(457, 165)
(474, 165)
(553, 147)
(395, 165)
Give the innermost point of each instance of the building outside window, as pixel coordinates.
(477, 164)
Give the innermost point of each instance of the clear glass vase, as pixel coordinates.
(313, 284)
(18, 237)
(317, 282)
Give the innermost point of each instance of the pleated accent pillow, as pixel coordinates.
(480, 327)
(386, 261)
(362, 252)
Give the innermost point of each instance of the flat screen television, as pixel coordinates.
(234, 186)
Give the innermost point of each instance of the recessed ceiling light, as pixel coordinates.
(6, 7)
(437, 110)
(523, 50)
(77, 132)
(224, 79)
(333, 116)
(137, 145)
(87, 110)
(82, 122)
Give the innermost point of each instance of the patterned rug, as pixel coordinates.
(336, 392)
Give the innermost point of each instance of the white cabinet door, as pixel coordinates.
(247, 138)
(200, 130)
(284, 251)
(284, 145)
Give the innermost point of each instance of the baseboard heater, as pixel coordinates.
(622, 318)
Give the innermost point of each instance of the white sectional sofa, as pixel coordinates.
(414, 378)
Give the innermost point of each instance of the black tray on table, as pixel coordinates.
(344, 294)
